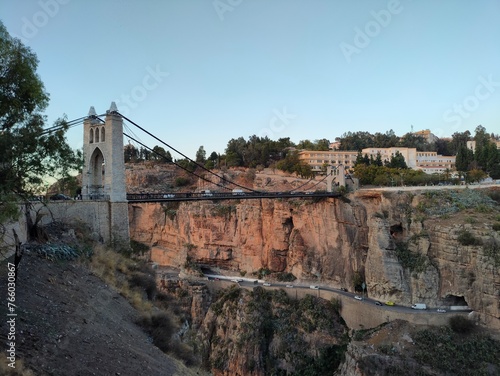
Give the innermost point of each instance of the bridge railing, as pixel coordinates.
(95, 197)
(191, 196)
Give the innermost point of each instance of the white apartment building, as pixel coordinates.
(317, 159)
(472, 145)
(409, 154)
(432, 163)
(427, 161)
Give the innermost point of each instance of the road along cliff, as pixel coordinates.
(439, 247)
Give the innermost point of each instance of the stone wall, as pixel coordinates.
(107, 222)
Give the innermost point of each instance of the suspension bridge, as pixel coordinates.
(103, 149)
(103, 177)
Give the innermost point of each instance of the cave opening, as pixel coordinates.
(455, 300)
(396, 230)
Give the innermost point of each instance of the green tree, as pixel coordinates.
(144, 154)
(234, 152)
(475, 175)
(306, 145)
(30, 154)
(481, 151)
(465, 157)
(495, 171)
(359, 158)
(411, 140)
(443, 146)
(458, 140)
(201, 155)
(385, 140)
(397, 161)
(355, 141)
(159, 154)
(322, 145)
(130, 153)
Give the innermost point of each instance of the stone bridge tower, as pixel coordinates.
(103, 177)
(337, 174)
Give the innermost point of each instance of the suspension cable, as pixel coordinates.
(175, 163)
(68, 124)
(185, 156)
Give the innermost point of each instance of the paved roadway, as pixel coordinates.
(248, 282)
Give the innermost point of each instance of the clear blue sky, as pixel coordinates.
(201, 72)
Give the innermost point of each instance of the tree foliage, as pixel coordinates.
(201, 155)
(30, 154)
(361, 140)
(255, 151)
(292, 164)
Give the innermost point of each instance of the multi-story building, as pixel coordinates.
(427, 135)
(409, 154)
(318, 159)
(427, 161)
(472, 145)
(430, 162)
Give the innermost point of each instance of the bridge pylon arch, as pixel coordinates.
(103, 176)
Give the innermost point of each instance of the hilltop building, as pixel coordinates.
(427, 135)
(427, 161)
(472, 145)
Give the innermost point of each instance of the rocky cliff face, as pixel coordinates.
(239, 332)
(407, 246)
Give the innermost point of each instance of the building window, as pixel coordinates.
(91, 136)
(103, 138)
(97, 135)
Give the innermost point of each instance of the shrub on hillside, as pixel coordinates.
(285, 277)
(144, 282)
(466, 238)
(160, 328)
(181, 181)
(460, 324)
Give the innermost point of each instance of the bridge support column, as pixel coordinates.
(119, 224)
(104, 172)
(335, 174)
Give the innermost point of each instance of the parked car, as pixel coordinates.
(389, 303)
(343, 289)
(314, 287)
(60, 196)
(266, 284)
(237, 280)
(357, 297)
(378, 303)
(440, 310)
(289, 286)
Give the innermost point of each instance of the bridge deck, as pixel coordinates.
(214, 196)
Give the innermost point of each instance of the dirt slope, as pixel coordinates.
(71, 323)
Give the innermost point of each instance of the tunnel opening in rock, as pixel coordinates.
(398, 228)
(396, 231)
(455, 300)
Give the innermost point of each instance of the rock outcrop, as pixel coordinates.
(393, 241)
